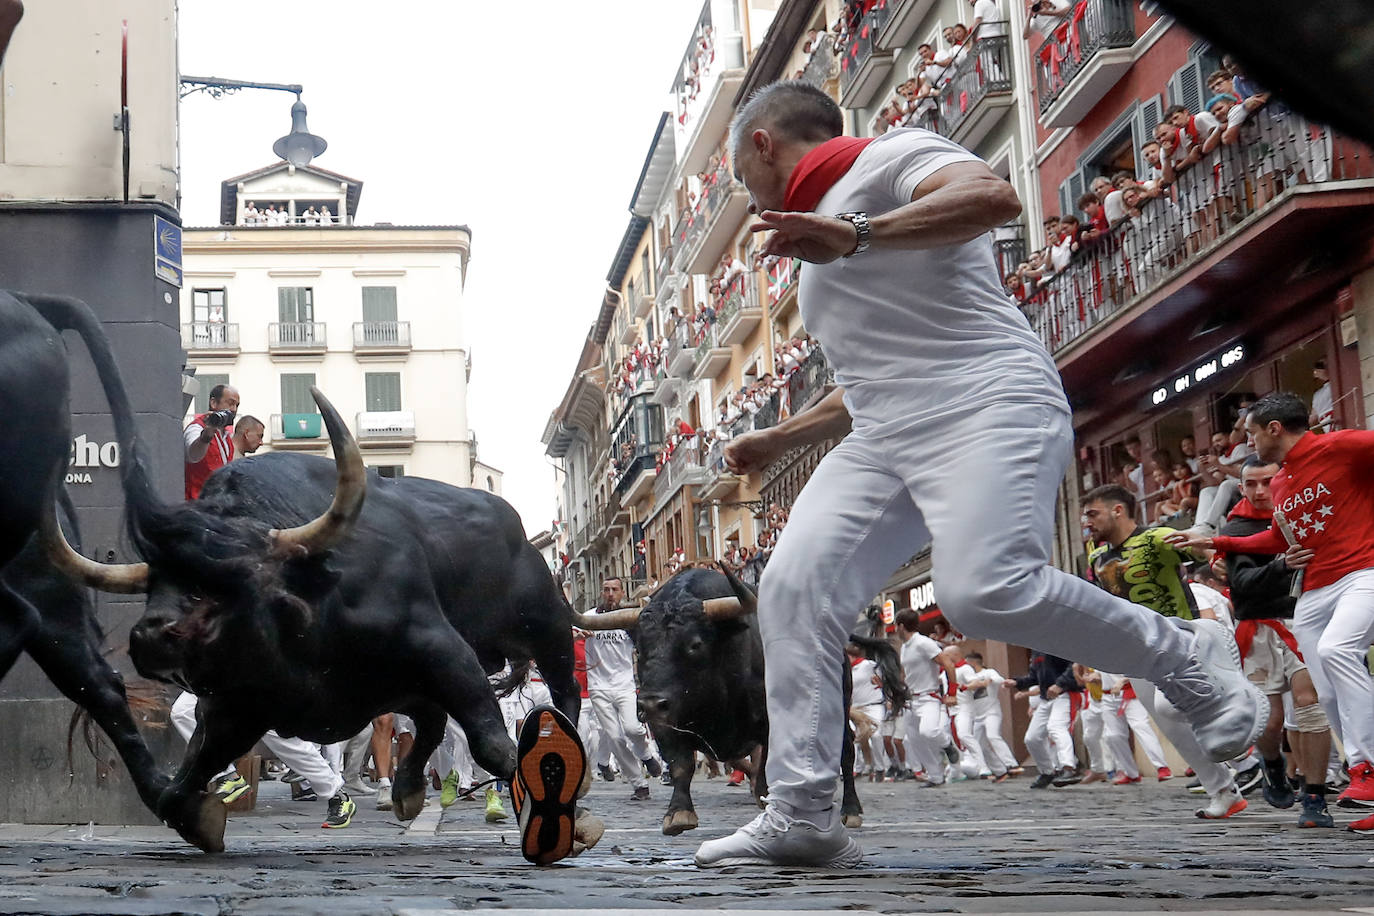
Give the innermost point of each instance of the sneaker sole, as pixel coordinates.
(1237, 808)
(550, 765)
(235, 795)
(1345, 802)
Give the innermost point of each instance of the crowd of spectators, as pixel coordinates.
(696, 69)
(272, 215)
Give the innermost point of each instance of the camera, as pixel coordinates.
(1037, 6)
(219, 419)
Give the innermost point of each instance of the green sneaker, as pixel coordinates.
(449, 795)
(232, 789)
(341, 811)
(496, 811)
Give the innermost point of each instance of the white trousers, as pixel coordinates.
(981, 486)
(593, 740)
(305, 757)
(621, 729)
(1047, 736)
(1116, 735)
(1335, 627)
(988, 729)
(1138, 720)
(927, 733)
(875, 741)
(453, 754)
(971, 760)
(1099, 755)
(1215, 777)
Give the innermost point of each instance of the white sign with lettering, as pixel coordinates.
(86, 453)
(1200, 372)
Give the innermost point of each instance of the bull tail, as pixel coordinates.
(68, 314)
(881, 652)
(507, 685)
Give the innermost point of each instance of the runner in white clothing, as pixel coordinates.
(611, 691)
(955, 431)
(987, 718)
(927, 721)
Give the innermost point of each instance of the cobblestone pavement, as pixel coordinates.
(967, 847)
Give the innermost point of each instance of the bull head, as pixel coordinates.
(313, 537)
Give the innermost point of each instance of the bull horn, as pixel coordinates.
(749, 602)
(623, 618)
(122, 578)
(338, 520)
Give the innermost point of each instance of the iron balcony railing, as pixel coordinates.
(665, 268)
(863, 38)
(209, 335)
(1009, 247)
(719, 185)
(985, 70)
(1094, 25)
(822, 66)
(295, 334)
(381, 334)
(1208, 204)
(810, 378)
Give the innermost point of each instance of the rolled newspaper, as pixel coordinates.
(1286, 530)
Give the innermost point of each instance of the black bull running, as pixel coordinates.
(701, 682)
(308, 596)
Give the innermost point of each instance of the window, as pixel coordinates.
(295, 304)
(644, 267)
(1185, 86)
(206, 383)
(295, 393)
(207, 306)
(379, 304)
(383, 390)
(390, 471)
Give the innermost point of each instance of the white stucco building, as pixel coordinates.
(372, 315)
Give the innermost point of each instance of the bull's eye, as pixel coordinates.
(191, 600)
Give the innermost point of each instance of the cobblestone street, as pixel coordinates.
(970, 847)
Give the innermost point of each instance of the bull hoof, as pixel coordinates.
(852, 820)
(587, 831)
(204, 829)
(407, 807)
(676, 822)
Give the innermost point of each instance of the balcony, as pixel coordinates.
(739, 313)
(823, 65)
(1009, 247)
(711, 356)
(978, 92)
(626, 330)
(210, 339)
(386, 428)
(680, 356)
(296, 338)
(811, 380)
(766, 416)
(706, 229)
(1083, 59)
(1232, 230)
(636, 439)
(298, 432)
(666, 280)
(864, 68)
(903, 19)
(643, 304)
(722, 482)
(681, 469)
(381, 338)
(709, 76)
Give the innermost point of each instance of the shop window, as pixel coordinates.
(1295, 369)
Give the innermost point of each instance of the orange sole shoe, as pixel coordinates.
(550, 766)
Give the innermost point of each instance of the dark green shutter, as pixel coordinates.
(206, 383)
(379, 303)
(295, 393)
(383, 390)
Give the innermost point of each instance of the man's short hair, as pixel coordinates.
(217, 392)
(1111, 494)
(1285, 407)
(1051, 219)
(248, 421)
(609, 579)
(977, 655)
(1123, 175)
(1218, 75)
(1173, 110)
(908, 619)
(1255, 461)
(1319, 364)
(795, 110)
(1088, 198)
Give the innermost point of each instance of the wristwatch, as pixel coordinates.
(861, 226)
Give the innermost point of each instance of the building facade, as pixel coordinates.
(372, 315)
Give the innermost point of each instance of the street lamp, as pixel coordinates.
(297, 147)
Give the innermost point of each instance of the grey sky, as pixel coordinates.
(527, 121)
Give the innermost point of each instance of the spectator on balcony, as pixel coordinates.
(1219, 83)
(1067, 244)
(325, 217)
(955, 52)
(1044, 16)
(1323, 405)
(1112, 205)
(1015, 286)
(988, 21)
(1230, 113)
(311, 217)
(731, 269)
(1197, 134)
(251, 215)
(1183, 488)
(813, 39)
(1097, 226)
(269, 216)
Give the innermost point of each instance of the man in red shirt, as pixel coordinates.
(209, 438)
(1324, 490)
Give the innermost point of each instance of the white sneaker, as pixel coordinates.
(355, 786)
(1225, 711)
(1224, 804)
(384, 798)
(774, 838)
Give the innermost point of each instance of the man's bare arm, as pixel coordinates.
(828, 418)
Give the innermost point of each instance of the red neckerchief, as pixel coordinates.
(1246, 509)
(818, 171)
(1246, 630)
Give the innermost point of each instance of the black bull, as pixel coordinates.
(284, 600)
(701, 683)
(41, 612)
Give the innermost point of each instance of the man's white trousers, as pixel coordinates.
(982, 488)
(622, 730)
(1335, 626)
(1048, 737)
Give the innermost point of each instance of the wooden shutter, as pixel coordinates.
(206, 383)
(379, 303)
(383, 390)
(1149, 112)
(1185, 87)
(295, 304)
(295, 392)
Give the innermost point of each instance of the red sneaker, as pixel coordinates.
(1165, 773)
(1123, 780)
(1364, 825)
(737, 778)
(1360, 792)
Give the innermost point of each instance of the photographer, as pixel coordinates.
(208, 438)
(1045, 16)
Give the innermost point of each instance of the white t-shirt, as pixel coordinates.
(918, 664)
(1203, 124)
(985, 699)
(993, 22)
(1046, 25)
(963, 674)
(866, 693)
(1208, 597)
(1322, 404)
(918, 335)
(610, 661)
(1114, 207)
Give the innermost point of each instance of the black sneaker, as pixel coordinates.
(1195, 788)
(652, 767)
(607, 773)
(1250, 780)
(1277, 791)
(1066, 776)
(1043, 781)
(1314, 813)
(341, 810)
(640, 794)
(302, 792)
(666, 778)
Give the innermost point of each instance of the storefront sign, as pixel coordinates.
(923, 596)
(87, 454)
(889, 612)
(1198, 374)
